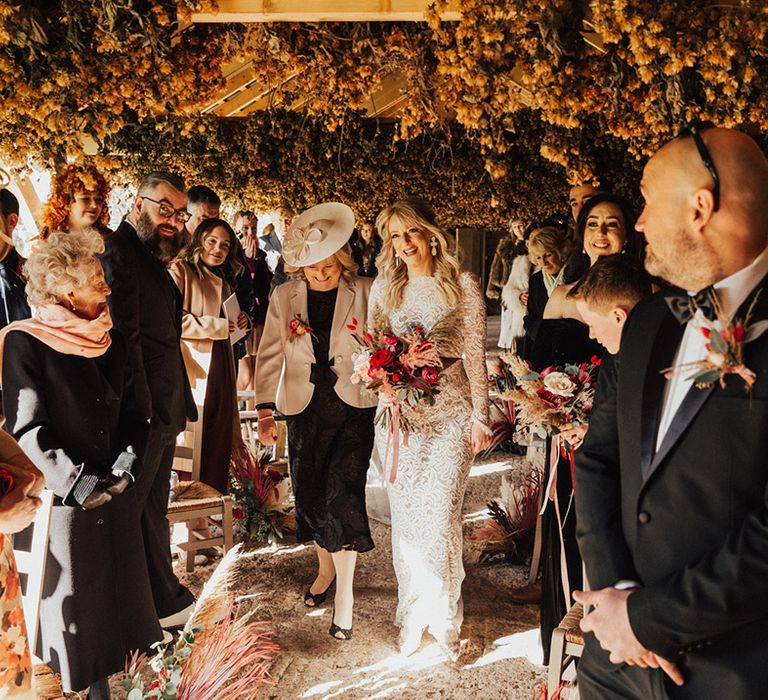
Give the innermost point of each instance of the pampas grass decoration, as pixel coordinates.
(213, 603)
(231, 655)
(231, 661)
(219, 654)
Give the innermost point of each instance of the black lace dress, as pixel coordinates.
(329, 444)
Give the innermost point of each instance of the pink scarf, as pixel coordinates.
(64, 331)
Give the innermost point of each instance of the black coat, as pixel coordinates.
(537, 302)
(258, 286)
(13, 299)
(689, 522)
(146, 309)
(365, 255)
(66, 411)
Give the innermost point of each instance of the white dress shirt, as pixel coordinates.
(732, 292)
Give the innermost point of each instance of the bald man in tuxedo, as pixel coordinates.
(672, 479)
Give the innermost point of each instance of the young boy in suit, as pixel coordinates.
(607, 293)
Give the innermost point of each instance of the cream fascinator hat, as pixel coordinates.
(318, 233)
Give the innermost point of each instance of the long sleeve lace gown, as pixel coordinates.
(427, 496)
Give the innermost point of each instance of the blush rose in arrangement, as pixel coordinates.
(404, 370)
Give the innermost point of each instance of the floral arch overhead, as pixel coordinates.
(499, 103)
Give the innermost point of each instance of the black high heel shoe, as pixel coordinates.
(335, 629)
(312, 600)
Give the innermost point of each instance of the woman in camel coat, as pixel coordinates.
(205, 278)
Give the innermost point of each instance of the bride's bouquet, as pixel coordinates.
(556, 399)
(404, 370)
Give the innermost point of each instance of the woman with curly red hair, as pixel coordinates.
(78, 201)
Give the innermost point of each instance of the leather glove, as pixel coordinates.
(119, 485)
(98, 497)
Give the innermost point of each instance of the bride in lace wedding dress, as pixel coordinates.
(420, 282)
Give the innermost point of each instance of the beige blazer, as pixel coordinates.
(283, 367)
(201, 321)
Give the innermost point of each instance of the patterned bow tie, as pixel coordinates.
(683, 306)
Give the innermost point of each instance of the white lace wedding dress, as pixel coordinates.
(427, 496)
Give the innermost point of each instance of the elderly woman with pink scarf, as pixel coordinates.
(67, 399)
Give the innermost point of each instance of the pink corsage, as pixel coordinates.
(725, 348)
(297, 328)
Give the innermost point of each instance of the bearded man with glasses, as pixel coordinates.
(146, 308)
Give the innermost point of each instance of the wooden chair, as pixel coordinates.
(211, 507)
(567, 646)
(31, 566)
(567, 643)
(248, 417)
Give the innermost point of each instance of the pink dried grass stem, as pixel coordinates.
(230, 661)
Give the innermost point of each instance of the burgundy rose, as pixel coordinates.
(391, 339)
(382, 358)
(430, 374)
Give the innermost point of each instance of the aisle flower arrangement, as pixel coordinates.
(504, 425)
(258, 492)
(404, 370)
(508, 533)
(221, 652)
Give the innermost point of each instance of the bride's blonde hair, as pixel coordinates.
(418, 214)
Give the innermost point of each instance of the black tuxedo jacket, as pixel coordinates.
(146, 308)
(689, 522)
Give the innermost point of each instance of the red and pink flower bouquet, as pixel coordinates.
(404, 369)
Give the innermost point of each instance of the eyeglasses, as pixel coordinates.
(167, 211)
(694, 130)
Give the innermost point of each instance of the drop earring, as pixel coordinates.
(397, 260)
(433, 244)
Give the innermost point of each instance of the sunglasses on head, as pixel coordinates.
(694, 130)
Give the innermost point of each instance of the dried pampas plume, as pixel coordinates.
(214, 602)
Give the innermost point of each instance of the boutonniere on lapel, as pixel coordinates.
(726, 339)
(297, 328)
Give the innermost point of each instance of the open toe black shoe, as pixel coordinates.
(335, 629)
(312, 600)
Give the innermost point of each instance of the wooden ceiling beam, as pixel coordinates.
(323, 11)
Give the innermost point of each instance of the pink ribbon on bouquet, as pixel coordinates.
(393, 434)
(558, 449)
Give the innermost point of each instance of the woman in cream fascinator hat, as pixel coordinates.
(303, 371)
